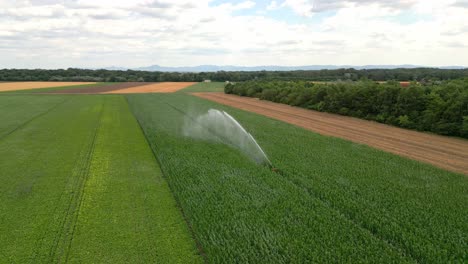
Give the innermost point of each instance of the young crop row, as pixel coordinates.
(334, 200)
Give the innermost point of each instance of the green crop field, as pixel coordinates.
(79, 183)
(118, 179)
(204, 87)
(334, 200)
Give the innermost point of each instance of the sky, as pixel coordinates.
(101, 33)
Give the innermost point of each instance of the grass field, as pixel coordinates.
(205, 87)
(334, 201)
(115, 179)
(79, 183)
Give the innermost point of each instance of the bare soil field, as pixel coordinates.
(163, 87)
(15, 86)
(443, 152)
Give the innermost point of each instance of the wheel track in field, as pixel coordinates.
(404, 252)
(59, 250)
(24, 124)
(80, 193)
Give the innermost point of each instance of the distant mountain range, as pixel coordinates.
(215, 68)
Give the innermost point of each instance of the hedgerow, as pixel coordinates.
(439, 108)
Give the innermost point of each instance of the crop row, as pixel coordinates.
(334, 201)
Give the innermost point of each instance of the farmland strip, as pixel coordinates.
(163, 87)
(36, 178)
(99, 88)
(127, 210)
(60, 251)
(15, 86)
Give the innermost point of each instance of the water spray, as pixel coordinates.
(219, 126)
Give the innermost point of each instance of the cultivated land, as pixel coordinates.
(444, 152)
(334, 200)
(79, 183)
(16, 86)
(205, 87)
(115, 179)
(97, 89)
(125, 88)
(164, 87)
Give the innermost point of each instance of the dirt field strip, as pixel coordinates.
(444, 152)
(99, 88)
(164, 87)
(15, 86)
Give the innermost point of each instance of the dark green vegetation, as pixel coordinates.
(79, 183)
(335, 201)
(417, 74)
(439, 108)
(205, 87)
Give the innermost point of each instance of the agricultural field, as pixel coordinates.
(17, 86)
(333, 200)
(79, 183)
(121, 178)
(205, 87)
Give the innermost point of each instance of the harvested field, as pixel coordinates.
(444, 152)
(14, 86)
(164, 87)
(99, 88)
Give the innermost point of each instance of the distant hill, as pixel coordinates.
(215, 68)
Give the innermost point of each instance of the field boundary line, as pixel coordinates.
(20, 126)
(158, 161)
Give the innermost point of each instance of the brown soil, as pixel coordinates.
(163, 87)
(444, 152)
(99, 88)
(14, 86)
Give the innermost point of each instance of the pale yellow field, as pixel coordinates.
(163, 87)
(14, 86)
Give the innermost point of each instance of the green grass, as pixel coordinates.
(16, 111)
(335, 201)
(61, 88)
(205, 87)
(79, 183)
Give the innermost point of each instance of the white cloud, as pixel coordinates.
(98, 33)
(272, 5)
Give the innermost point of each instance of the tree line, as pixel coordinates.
(72, 74)
(438, 107)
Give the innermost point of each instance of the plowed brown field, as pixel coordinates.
(164, 87)
(444, 152)
(14, 86)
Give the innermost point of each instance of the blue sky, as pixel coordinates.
(101, 33)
